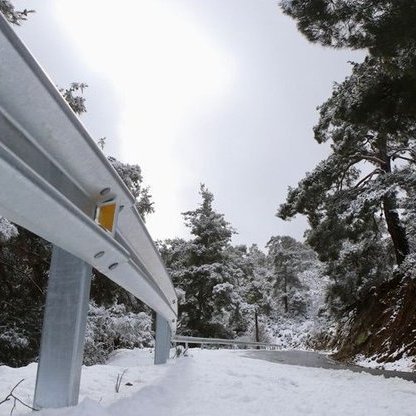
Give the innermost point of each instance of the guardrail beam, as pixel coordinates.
(63, 334)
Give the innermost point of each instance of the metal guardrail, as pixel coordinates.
(220, 341)
(53, 181)
(53, 175)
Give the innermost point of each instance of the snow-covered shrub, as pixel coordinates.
(7, 230)
(16, 346)
(408, 267)
(308, 325)
(13, 344)
(299, 299)
(112, 328)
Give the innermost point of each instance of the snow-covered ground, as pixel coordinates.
(405, 363)
(220, 382)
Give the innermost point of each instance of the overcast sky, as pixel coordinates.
(221, 92)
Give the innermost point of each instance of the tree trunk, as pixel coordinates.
(256, 321)
(285, 294)
(394, 226)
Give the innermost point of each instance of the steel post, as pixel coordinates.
(163, 340)
(169, 341)
(63, 334)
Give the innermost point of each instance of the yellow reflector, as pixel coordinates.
(106, 215)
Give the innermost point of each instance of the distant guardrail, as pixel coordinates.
(220, 341)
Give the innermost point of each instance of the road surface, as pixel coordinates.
(317, 360)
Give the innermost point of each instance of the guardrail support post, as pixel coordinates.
(63, 333)
(162, 341)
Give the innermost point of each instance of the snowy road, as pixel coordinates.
(317, 360)
(228, 383)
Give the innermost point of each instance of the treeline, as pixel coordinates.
(223, 288)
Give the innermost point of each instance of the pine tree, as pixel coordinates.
(360, 200)
(202, 273)
(383, 26)
(370, 125)
(205, 280)
(364, 191)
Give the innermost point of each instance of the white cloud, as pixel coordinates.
(166, 69)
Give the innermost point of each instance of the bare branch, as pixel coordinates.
(118, 382)
(344, 173)
(371, 158)
(403, 149)
(21, 274)
(404, 158)
(368, 177)
(16, 399)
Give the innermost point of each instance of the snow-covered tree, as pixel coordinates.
(360, 201)
(201, 271)
(132, 177)
(73, 96)
(255, 290)
(382, 26)
(365, 189)
(288, 259)
(207, 282)
(11, 14)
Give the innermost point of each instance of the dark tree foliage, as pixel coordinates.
(382, 26)
(24, 265)
(372, 159)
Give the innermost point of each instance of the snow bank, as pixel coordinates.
(97, 381)
(405, 363)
